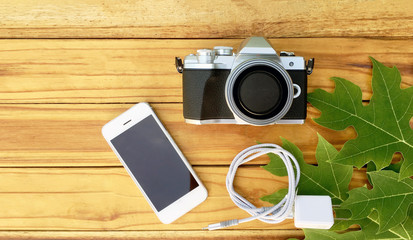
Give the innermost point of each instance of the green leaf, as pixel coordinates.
(325, 179)
(389, 197)
(276, 197)
(369, 227)
(382, 126)
(368, 232)
(372, 221)
(276, 165)
(395, 167)
(342, 219)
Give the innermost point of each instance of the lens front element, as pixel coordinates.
(259, 91)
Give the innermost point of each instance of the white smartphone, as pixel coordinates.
(154, 162)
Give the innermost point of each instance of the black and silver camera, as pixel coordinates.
(253, 86)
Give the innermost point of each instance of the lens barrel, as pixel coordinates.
(259, 91)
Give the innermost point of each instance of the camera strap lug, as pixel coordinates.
(179, 65)
(285, 53)
(310, 66)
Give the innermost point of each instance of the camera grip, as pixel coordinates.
(204, 94)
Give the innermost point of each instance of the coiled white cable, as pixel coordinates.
(274, 214)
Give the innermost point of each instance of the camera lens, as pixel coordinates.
(259, 91)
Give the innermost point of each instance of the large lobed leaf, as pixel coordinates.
(381, 212)
(382, 126)
(389, 197)
(325, 179)
(369, 230)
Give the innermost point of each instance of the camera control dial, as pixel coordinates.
(205, 55)
(223, 51)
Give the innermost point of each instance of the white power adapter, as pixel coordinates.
(309, 211)
(313, 212)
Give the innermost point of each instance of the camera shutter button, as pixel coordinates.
(205, 55)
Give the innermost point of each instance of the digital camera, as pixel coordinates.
(252, 86)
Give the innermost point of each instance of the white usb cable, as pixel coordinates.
(276, 213)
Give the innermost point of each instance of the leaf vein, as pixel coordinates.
(391, 102)
(381, 197)
(364, 120)
(390, 230)
(394, 212)
(310, 179)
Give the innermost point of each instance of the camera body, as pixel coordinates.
(253, 86)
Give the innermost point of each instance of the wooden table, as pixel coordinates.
(68, 67)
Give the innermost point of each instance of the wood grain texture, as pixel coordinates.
(161, 235)
(68, 67)
(130, 71)
(107, 199)
(205, 19)
(70, 135)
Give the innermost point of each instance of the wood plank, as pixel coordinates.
(106, 199)
(211, 19)
(129, 71)
(70, 135)
(125, 235)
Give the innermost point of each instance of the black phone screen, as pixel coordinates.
(154, 163)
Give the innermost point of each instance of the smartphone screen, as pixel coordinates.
(154, 163)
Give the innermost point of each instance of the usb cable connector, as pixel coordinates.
(223, 224)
